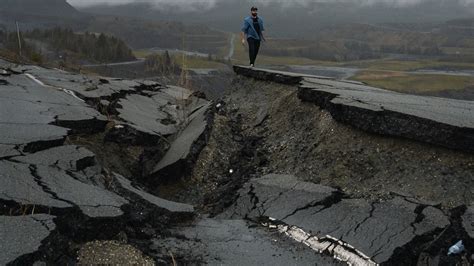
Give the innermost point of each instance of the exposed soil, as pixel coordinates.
(261, 128)
(264, 128)
(300, 139)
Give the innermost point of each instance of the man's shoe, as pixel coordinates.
(251, 65)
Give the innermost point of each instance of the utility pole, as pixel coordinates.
(18, 34)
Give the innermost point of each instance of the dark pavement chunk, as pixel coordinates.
(277, 196)
(8, 151)
(182, 146)
(29, 110)
(162, 112)
(159, 113)
(92, 87)
(24, 120)
(273, 75)
(145, 114)
(49, 186)
(85, 86)
(16, 111)
(439, 121)
(92, 200)
(374, 229)
(26, 87)
(69, 157)
(22, 235)
(171, 206)
(445, 111)
(32, 134)
(19, 185)
(234, 242)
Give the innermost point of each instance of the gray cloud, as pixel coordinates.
(206, 4)
(186, 4)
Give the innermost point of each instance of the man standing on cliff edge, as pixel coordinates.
(252, 30)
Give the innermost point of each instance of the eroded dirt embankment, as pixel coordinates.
(300, 139)
(271, 131)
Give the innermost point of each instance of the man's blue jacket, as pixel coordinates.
(249, 29)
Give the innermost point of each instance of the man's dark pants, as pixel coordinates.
(254, 46)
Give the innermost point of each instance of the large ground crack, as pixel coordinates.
(326, 203)
(33, 170)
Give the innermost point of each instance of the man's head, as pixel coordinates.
(254, 11)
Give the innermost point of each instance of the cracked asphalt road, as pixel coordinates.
(272, 174)
(56, 196)
(375, 229)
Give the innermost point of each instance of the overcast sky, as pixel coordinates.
(211, 3)
(204, 5)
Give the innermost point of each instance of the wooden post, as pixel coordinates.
(18, 34)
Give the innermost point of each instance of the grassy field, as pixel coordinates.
(197, 62)
(405, 65)
(413, 83)
(141, 53)
(241, 57)
(385, 73)
(191, 61)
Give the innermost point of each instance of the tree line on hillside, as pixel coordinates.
(161, 64)
(141, 34)
(90, 46)
(349, 50)
(331, 51)
(412, 50)
(9, 43)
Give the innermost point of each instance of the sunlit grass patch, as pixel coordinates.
(415, 83)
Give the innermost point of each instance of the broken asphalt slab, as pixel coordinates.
(52, 187)
(372, 230)
(159, 113)
(49, 96)
(439, 121)
(7, 150)
(235, 242)
(144, 114)
(186, 146)
(22, 235)
(68, 158)
(170, 206)
(278, 76)
(30, 138)
(37, 117)
(43, 178)
(86, 87)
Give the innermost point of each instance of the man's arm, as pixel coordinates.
(242, 36)
(243, 32)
